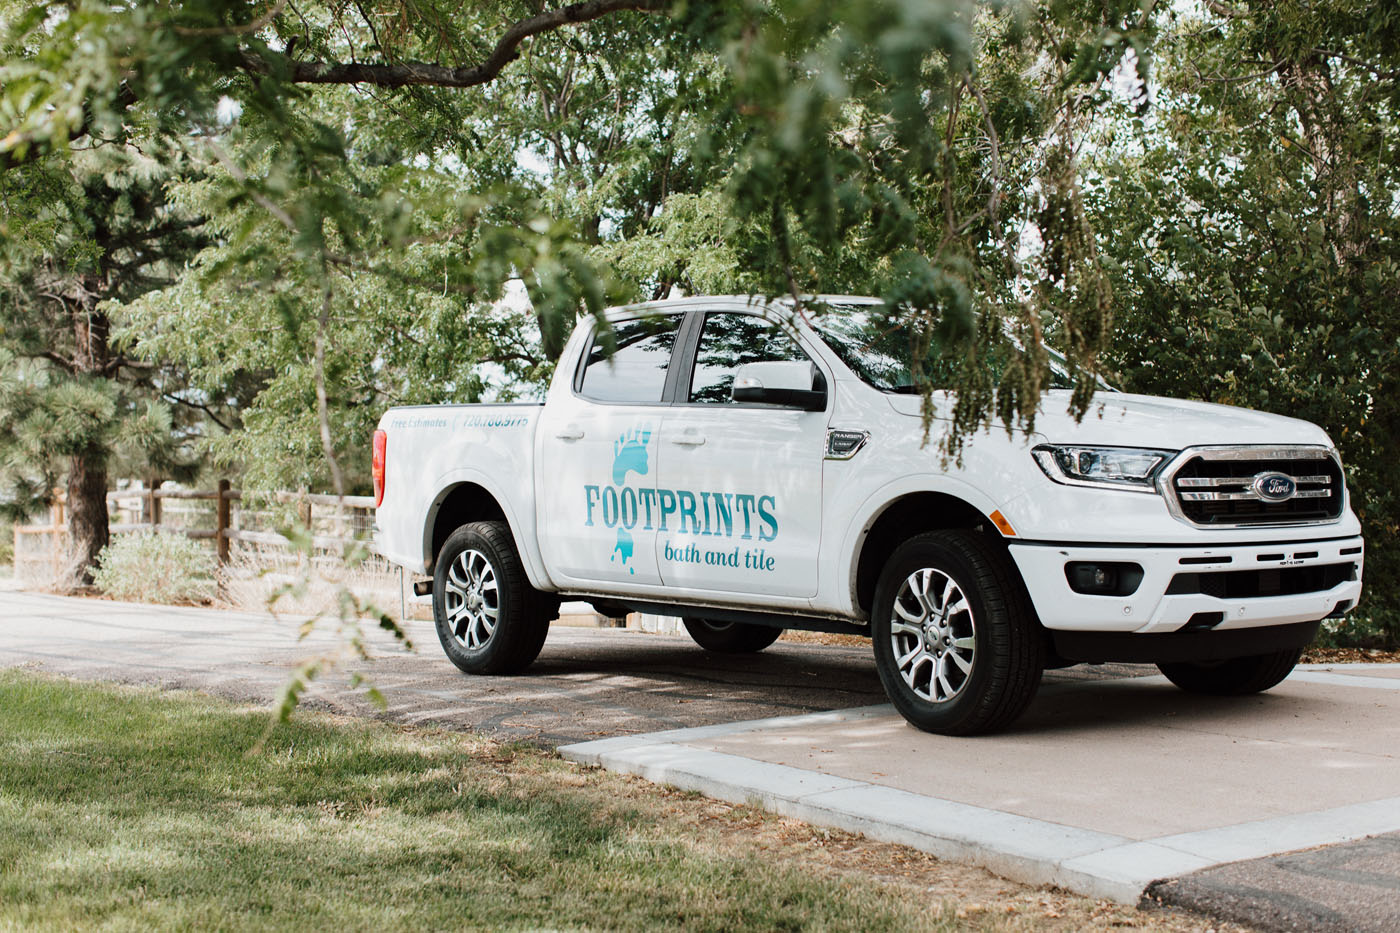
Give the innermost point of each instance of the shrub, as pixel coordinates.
(156, 568)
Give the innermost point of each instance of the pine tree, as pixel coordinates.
(80, 234)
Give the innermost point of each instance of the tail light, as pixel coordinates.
(381, 443)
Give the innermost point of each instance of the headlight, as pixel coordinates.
(1132, 468)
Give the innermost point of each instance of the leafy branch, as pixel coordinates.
(415, 73)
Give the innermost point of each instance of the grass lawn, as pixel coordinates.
(130, 809)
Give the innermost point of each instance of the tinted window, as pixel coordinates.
(629, 365)
(727, 342)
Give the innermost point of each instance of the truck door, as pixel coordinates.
(596, 474)
(739, 492)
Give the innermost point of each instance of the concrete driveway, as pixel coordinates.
(1114, 788)
(1115, 784)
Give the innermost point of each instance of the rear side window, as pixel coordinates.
(629, 365)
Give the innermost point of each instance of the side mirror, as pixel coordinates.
(780, 382)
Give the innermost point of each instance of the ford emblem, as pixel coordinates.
(1275, 487)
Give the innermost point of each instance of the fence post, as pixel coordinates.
(153, 507)
(304, 515)
(221, 515)
(57, 550)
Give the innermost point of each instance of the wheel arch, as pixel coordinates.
(898, 520)
(466, 500)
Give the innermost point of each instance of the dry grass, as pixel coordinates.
(1314, 654)
(825, 638)
(253, 575)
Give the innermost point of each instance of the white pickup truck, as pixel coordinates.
(751, 467)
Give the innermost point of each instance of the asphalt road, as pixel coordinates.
(587, 683)
(1333, 889)
(592, 683)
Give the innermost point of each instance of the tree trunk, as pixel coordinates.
(88, 531)
(1307, 84)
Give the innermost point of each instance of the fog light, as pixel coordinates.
(1095, 578)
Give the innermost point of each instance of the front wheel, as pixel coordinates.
(489, 618)
(1235, 677)
(731, 637)
(957, 646)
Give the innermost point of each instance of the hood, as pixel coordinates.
(1121, 420)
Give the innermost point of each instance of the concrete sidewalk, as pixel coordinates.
(1103, 787)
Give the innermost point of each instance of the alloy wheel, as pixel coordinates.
(472, 599)
(934, 635)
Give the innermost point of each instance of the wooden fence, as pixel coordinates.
(44, 545)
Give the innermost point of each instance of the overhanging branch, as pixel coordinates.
(404, 74)
(401, 74)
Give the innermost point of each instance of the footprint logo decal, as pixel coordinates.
(629, 456)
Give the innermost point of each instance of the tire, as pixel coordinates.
(731, 637)
(489, 618)
(972, 670)
(1235, 677)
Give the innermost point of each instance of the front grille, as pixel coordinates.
(1216, 486)
(1266, 581)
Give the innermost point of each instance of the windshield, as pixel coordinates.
(878, 347)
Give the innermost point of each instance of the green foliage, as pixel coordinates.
(1256, 244)
(334, 242)
(48, 417)
(797, 147)
(903, 149)
(157, 568)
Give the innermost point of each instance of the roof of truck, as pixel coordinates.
(755, 301)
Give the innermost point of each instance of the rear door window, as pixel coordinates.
(630, 363)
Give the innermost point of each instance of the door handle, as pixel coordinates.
(570, 432)
(689, 439)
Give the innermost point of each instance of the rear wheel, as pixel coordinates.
(489, 618)
(731, 637)
(1235, 677)
(957, 645)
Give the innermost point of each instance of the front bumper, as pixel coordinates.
(1152, 609)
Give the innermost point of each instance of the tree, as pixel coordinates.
(78, 236)
(1256, 237)
(414, 293)
(91, 228)
(894, 146)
